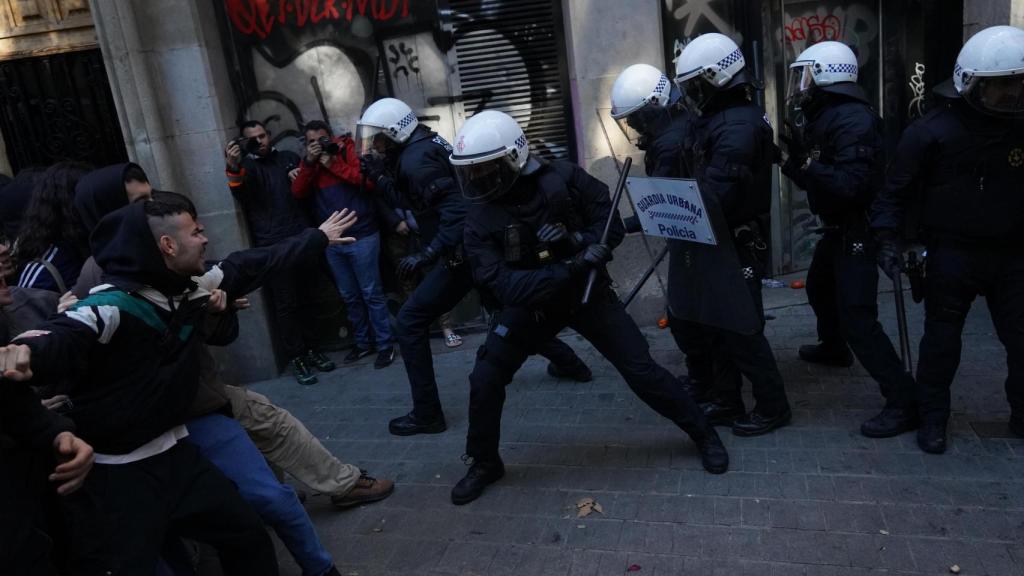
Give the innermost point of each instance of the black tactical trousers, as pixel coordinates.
(441, 289)
(842, 289)
(750, 355)
(605, 323)
(956, 273)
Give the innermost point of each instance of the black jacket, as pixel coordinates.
(264, 191)
(425, 182)
(24, 420)
(663, 156)
(962, 170)
(847, 163)
(557, 192)
(731, 153)
(132, 345)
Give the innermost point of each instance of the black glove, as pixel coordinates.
(372, 166)
(413, 262)
(793, 139)
(551, 233)
(590, 257)
(890, 252)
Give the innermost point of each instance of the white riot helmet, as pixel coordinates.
(386, 118)
(709, 63)
(823, 64)
(489, 153)
(640, 97)
(989, 71)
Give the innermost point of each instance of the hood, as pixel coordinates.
(14, 200)
(123, 246)
(99, 193)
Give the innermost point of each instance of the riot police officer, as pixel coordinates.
(646, 107)
(532, 237)
(730, 153)
(960, 168)
(834, 153)
(409, 162)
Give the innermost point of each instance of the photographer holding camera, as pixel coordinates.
(259, 177)
(330, 173)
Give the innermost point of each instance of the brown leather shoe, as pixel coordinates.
(367, 489)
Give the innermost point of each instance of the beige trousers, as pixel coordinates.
(288, 445)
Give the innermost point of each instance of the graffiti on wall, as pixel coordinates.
(915, 109)
(684, 20)
(298, 60)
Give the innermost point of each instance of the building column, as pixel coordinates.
(176, 107)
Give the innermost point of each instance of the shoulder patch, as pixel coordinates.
(439, 140)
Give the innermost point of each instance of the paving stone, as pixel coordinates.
(812, 499)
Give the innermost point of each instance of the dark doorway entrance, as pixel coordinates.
(59, 107)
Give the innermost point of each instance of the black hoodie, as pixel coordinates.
(99, 193)
(132, 344)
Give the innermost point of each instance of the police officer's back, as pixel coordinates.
(730, 153)
(835, 154)
(961, 166)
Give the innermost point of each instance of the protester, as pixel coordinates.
(52, 244)
(144, 327)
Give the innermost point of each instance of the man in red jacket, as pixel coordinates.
(330, 172)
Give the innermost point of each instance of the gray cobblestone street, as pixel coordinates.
(812, 499)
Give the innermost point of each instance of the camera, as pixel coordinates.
(328, 146)
(248, 145)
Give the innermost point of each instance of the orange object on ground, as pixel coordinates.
(797, 284)
(663, 323)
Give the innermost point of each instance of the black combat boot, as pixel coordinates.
(723, 412)
(410, 424)
(713, 455)
(481, 474)
(757, 422)
(827, 355)
(578, 371)
(891, 421)
(932, 437)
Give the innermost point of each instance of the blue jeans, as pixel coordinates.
(223, 441)
(356, 271)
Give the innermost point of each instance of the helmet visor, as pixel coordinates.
(697, 93)
(799, 81)
(644, 122)
(997, 95)
(486, 181)
(370, 138)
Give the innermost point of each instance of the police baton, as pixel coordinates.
(901, 322)
(612, 215)
(647, 275)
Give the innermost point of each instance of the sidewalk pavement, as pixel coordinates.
(812, 499)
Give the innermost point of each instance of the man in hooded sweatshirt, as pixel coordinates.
(133, 347)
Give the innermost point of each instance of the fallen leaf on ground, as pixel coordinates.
(883, 532)
(955, 568)
(587, 505)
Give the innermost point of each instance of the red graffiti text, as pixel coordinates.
(260, 17)
(814, 28)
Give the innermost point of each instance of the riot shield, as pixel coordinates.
(706, 281)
